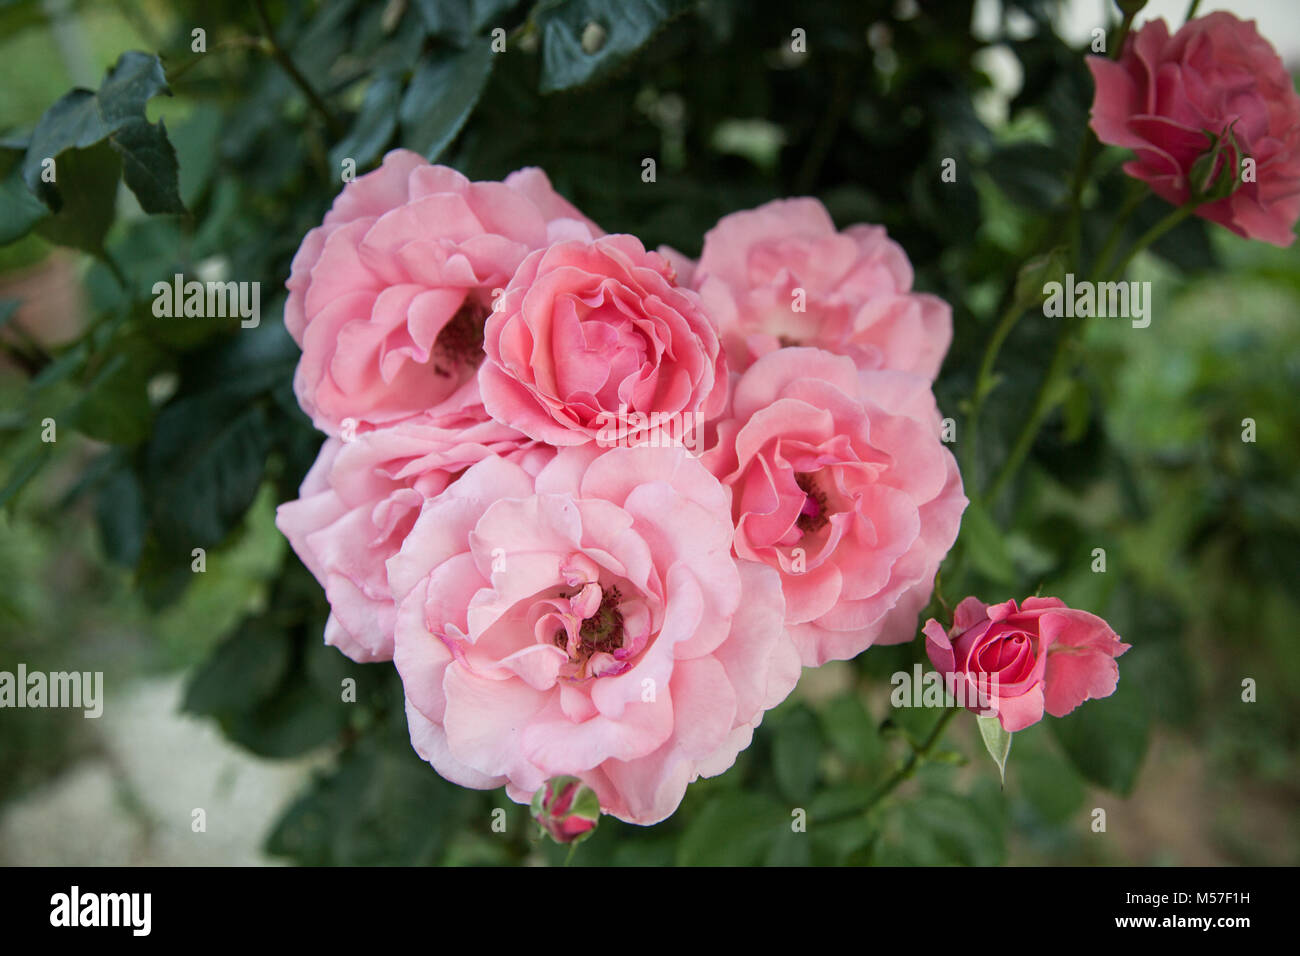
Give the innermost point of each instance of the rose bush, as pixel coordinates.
(587, 627)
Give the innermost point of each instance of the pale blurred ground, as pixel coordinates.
(132, 802)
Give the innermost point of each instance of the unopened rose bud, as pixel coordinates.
(567, 809)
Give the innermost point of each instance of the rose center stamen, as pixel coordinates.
(812, 515)
(460, 343)
(602, 632)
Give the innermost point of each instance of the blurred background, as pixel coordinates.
(220, 694)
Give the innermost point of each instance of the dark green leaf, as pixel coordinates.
(1106, 739)
(243, 669)
(120, 513)
(205, 462)
(734, 829)
(624, 26)
(19, 209)
(375, 123)
(1030, 174)
(441, 95)
(87, 198)
(795, 753)
(149, 165)
(115, 404)
(986, 545)
(382, 805)
(81, 119)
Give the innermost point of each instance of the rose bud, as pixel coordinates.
(567, 809)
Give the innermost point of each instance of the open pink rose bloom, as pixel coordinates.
(600, 505)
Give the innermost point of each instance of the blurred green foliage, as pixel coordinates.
(177, 435)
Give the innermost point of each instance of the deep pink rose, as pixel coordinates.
(1165, 94)
(362, 497)
(1019, 661)
(589, 333)
(588, 622)
(388, 295)
(781, 275)
(839, 481)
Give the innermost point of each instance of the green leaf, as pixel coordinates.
(997, 742)
(208, 452)
(149, 165)
(244, 668)
(376, 120)
(795, 753)
(734, 829)
(447, 19)
(1030, 174)
(1106, 739)
(23, 470)
(80, 120)
(19, 209)
(8, 309)
(257, 686)
(626, 24)
(852, 732)
(205, 461)
(86, 199)
(1045, 780)
(939, 828)
(120, 514)
(114, 406)
(987, 546)
(441, 96)
(382, 805)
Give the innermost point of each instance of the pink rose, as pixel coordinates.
(587, 622)
(780, 275)
(388, 295)
(362, 497)
(1021, 660)
(591, 333)
(1166, 94)
(839, 482)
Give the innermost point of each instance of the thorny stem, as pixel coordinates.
(232, 42)
(1049, 391)
(1088, 149)
(913, 761)
(904, 772)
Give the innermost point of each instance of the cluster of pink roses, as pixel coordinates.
(507, 506)
(560, 603)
